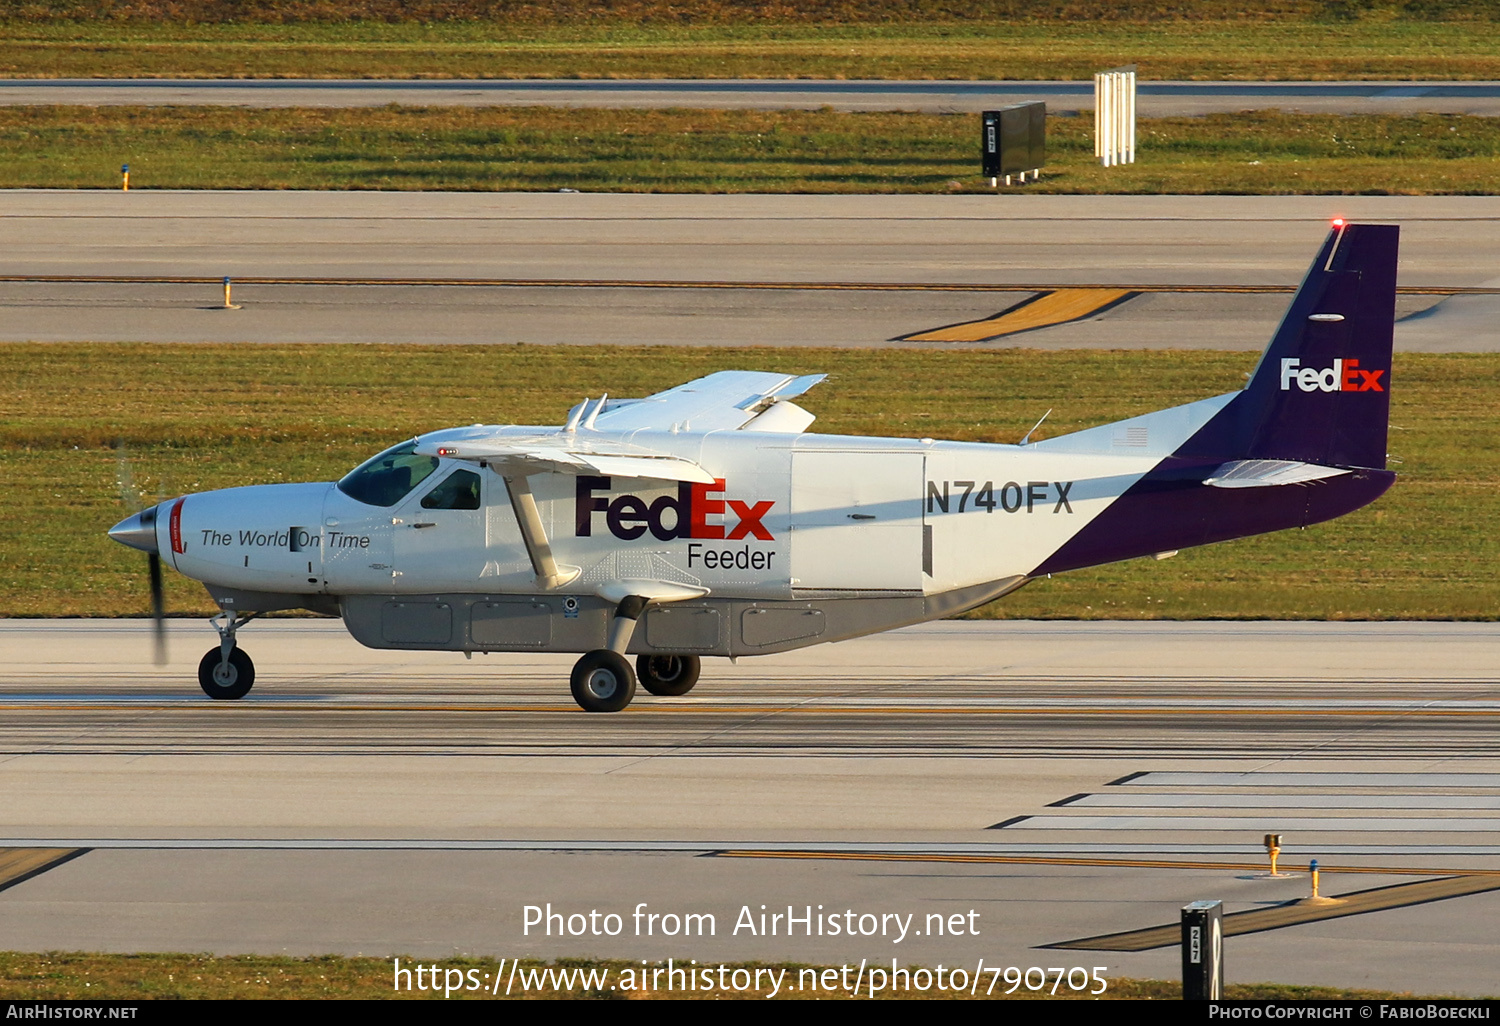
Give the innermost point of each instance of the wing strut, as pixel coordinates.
(548, 574)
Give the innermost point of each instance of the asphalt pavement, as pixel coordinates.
(1154, 99)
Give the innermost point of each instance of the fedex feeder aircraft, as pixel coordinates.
(706, 521)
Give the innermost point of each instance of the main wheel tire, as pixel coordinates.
(668, 675)
(602, 681)
(222, 680)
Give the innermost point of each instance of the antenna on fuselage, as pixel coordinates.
(1026, 438)
(576, 415)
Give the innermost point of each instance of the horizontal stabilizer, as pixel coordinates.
(1268, 473)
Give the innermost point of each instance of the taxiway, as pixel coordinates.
(1062, 779)
(1155, 99)
(715, 242)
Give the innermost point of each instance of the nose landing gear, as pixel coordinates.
(226, 672)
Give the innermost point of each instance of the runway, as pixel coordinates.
(1155, 99)
(1059, 780)
(1062, 780)
(809, 240)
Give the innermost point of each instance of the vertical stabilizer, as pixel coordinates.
(1302, 443)
(1321, 392)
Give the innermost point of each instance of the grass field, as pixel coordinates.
(910, 41)
(76, 976)
(198, 417)
(724, 151)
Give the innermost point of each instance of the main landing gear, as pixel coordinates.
(603, 681)
(225, 671)
(668, 674)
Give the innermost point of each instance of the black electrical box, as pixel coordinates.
(1013, 140)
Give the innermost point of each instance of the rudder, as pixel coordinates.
(1321, 392)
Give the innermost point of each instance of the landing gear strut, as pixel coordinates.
(226, 672)
(602, 680)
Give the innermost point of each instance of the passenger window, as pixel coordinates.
(459, 491)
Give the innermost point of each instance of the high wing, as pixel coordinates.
(724, 401)
(564, 453)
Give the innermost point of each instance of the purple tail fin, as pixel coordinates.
(1321, 392)
(1320, 395)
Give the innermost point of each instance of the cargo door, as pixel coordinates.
(857, 521)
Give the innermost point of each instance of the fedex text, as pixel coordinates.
(685, 515)
(1343, 376)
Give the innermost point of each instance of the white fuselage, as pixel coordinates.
(790, 515)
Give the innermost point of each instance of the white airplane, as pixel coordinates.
(706, 521)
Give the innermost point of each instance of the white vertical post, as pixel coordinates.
(1122, 130)
(1114, 116)
(1112, 125)
(1098, 117)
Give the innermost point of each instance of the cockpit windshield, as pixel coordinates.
(385, 479)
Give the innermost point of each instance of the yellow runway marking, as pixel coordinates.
(18, 864)
(1294, 914)
(1044, 310)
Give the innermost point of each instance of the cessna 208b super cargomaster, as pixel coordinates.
(705, 521)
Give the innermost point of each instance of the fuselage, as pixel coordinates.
(788, 515)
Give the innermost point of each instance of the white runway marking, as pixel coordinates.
(1330, 780)
(1286, 801)
(1256, 824)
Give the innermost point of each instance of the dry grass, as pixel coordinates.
(729, 12)
(735, 43)
(201, 417)
(77, 976)
(724, 151)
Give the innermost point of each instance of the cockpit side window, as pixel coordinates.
(386, 479)
(459, 491)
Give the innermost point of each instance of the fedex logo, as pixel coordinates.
(683, 516)
(1343, 376)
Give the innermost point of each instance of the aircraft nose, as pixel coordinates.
(137, 530)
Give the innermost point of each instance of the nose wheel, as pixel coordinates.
(225, 672)
(226, 678)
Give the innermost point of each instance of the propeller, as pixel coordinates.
(139, 532)
(158, 611)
